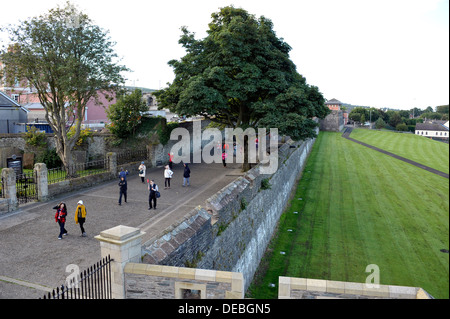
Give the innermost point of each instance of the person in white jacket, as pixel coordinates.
(142, 170)
(168, 176)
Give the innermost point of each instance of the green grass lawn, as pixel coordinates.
(420, 149)
(361, 207)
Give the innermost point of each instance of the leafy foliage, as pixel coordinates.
(68, 60)
(35, 138)
(241, 75)
(126, 114)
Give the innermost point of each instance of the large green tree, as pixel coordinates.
(68, 60)
(240, 75)
(126, 114)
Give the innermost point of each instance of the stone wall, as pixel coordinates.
(144, 281)
(232, 231)
(333, 122)
(307, 288)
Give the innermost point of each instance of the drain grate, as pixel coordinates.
(444, 251)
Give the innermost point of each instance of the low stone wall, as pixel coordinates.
(144, 281)
(306, 288)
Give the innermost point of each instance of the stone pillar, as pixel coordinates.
(112, 160)
(40, 172)
(9, 187)
(123, 245)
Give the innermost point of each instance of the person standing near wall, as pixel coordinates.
(123, 173)
(60, 218)
(167, 177)
(170, 160)
(152, 188)
(80, 216)
(123, 187)
(186, 174)
(142, 170)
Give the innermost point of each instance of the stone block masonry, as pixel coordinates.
(232, 231)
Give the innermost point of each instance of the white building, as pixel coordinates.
(432, 130)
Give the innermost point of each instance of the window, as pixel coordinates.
(185, 290)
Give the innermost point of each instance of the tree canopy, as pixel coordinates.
(68, 60)
(240, 75)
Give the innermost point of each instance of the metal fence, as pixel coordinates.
(93, 283)
(56, 175)
(131, 156)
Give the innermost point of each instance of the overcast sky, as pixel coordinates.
(380, 53)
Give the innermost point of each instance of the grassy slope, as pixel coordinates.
(417, 148)
(361, 207)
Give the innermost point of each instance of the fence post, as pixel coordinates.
(111, 157)
(40, 173)
(9, 187)
(123, 244)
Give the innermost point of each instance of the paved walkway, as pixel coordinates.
(33, 260)
(349, 130)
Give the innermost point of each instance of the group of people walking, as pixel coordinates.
(152, 187)
(61, 217)
(80, 212)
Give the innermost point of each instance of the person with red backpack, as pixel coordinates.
(60, 218)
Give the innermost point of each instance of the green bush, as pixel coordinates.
(35, 138)
(401, 127)
(50, 158)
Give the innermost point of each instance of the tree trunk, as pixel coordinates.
(246, 165)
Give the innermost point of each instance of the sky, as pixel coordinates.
(378, 53)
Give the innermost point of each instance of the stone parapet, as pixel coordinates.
(307, 288)
(145, 281)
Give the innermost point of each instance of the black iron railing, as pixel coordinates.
(93, 283)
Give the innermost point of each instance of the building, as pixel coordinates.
(336, 120)
(433, 130)
(12, 115)
(334, 104)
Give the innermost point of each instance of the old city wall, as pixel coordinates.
(231, 232)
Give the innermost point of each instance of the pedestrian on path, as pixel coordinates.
(224, 157)
(80, 216)
(142, 170)
(170, 160)
(167, 176)
(123, 173)
(186, 175)
(60, 218)
(153, 189)
(122, 190)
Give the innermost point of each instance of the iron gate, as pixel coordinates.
(26, 189)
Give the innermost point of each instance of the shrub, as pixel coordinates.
(265, 184)
(50, 158)
(401, 127)
(35, 138)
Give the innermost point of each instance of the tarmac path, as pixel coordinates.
(349, 130)
(33, 261)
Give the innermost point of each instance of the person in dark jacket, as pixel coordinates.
(153, 188)
(60, 218)
(186, 175)
(123, 190)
